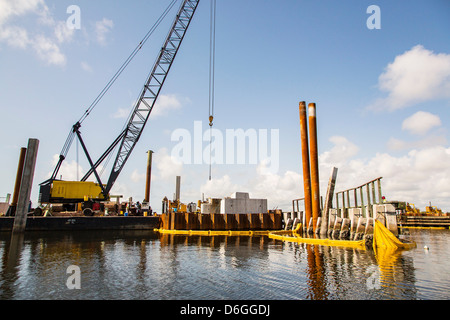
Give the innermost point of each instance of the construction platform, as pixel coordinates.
(69, 223)
(424, 221)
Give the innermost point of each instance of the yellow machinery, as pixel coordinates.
(177, 206)
(71, 192)
(411, 209)
(432, 210)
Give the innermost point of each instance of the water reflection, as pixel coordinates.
(147, 265)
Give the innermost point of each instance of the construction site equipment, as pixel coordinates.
(411, 209)
(295, 236)
(127, 139)
(72, 192)
(433, 210)
(212, 56)
(383, 238)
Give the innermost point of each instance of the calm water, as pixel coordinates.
(146, 265)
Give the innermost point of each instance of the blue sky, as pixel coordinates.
(382, 95)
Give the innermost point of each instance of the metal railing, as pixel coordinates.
(370, 193)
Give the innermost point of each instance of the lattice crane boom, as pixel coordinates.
(137, 120)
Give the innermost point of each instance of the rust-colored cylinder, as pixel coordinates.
(305, 161)
(148, 177)
(23, 152)
(314, 159)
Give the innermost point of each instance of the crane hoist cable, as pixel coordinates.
(71, 135)
(212, 62)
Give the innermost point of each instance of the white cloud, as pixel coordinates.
(122, 113)
(418, 177)
(279, 189)
(429, 141)
(85, 66)
(102, 28)
(165, 104)
(219, 187)
(48, 51)
(137, 177)
(15, 37)
(415, 76)
(421, 122)
(342, 151)
(11, 8)
(62, 32)
(45, 46)
(69, 170)
(166, 165)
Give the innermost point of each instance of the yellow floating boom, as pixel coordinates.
(382, 237)
(215, 232)
(293, 236)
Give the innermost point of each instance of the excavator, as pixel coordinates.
(433, 210)
(86, 192)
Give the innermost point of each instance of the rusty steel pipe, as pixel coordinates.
(314, 159)
(15, 198)
(305, 161)
(148, 176)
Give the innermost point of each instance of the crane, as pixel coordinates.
(58, 191)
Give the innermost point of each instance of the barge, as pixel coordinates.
(72, 223)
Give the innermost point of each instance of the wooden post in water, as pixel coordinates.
(328, 201)
(314, 160)
(23, 202)
(305, 161)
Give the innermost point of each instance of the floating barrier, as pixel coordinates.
(382, 237)
(215, 232)
(324, 242)
(294, 236)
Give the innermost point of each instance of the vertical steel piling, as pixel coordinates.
(148, 176)
(314, 161)
(305, 161)
(12, 208)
